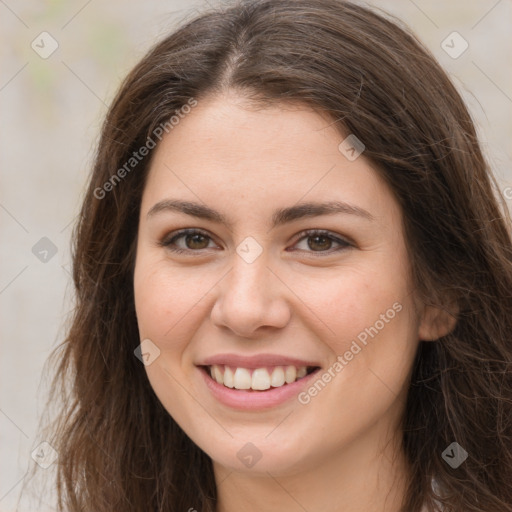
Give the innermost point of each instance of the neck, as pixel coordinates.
(369, 474)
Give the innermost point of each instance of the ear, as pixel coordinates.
(437, 322)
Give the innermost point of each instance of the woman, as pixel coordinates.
(293, 279)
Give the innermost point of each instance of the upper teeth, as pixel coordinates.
(260, 379)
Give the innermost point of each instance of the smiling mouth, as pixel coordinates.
(257, 379)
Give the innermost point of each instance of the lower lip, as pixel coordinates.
(252, 400)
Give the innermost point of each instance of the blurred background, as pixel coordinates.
(60, 65)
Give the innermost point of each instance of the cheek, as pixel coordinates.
(167, 300)
(372, 337)
(368, 319)
(354, 299)
(168, 306)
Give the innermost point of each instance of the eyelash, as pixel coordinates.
(167, 242)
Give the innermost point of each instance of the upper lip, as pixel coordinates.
(255, 361)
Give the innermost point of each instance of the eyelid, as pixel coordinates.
(343, 241)
(323, 232)
(174, 235)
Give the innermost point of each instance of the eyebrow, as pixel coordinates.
(280, 216)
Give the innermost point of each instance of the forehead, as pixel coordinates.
(225, 154)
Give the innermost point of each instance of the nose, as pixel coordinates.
(251, 299)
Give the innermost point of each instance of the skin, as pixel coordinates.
(343, 447)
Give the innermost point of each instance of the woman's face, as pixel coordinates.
(257, 298)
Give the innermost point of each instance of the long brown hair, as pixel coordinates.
(119, 448)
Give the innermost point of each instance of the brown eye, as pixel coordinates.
(320, 242)
(196, 241)
(193, 240)
(188, 240)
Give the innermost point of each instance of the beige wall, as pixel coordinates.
(51, 113)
